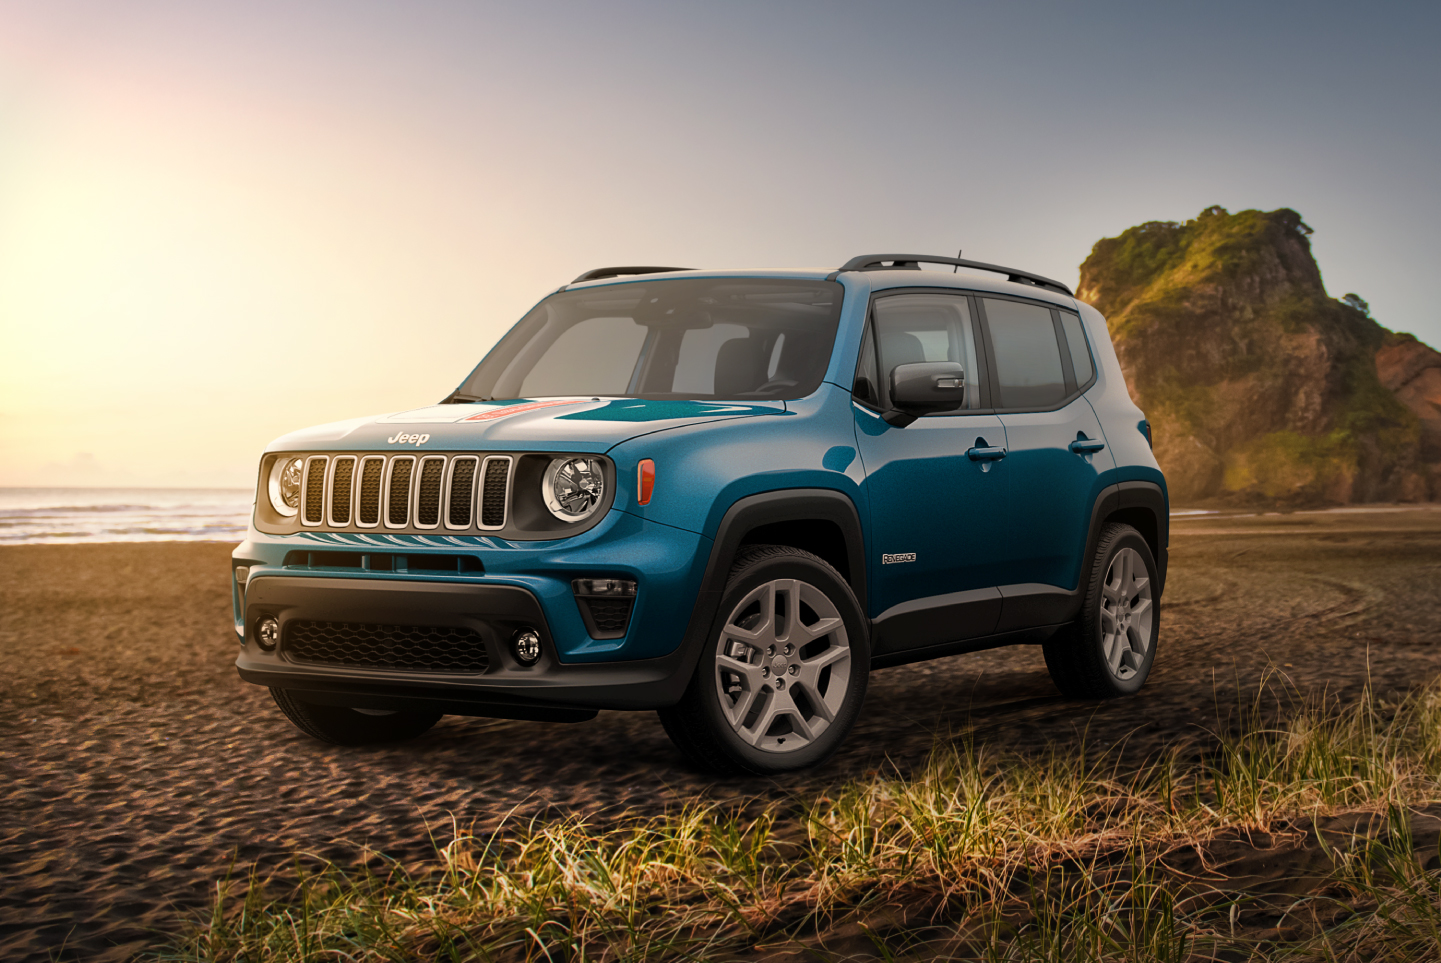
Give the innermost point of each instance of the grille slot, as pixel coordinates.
(461, 503)
(495, 492)
(427, 502)
(340, 490)
(372, 470)
(315, 490)
(411, 648)
(397, 502)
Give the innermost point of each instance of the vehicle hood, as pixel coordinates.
(581, 424)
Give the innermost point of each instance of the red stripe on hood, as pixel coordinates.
(517, 409)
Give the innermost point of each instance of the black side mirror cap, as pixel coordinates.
(925, 387)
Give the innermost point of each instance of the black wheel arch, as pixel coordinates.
(1143, 506)
(821, 521)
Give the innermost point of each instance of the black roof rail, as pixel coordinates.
(615, 272)
(912, 262)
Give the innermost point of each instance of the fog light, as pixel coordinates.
(526, 646)
(267, 633)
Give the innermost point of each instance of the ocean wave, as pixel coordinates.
(72, 516)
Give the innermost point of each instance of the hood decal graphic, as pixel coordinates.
(517, 409)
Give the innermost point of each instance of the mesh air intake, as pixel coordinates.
(492, 503)
(398, 509)
(315, 491)
(340, 491)
(427, 507)
(416, 648)
(370, 475)
(462, 489)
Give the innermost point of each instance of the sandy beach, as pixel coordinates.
(138, 768)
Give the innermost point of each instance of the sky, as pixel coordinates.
(220, 222)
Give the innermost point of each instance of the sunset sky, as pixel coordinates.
(221, 222)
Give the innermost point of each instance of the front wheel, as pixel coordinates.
(1109, 650)
(343, 726)
(784, 671)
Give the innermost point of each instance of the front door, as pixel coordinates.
(936, 490)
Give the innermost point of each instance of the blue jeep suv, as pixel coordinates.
(723, 495)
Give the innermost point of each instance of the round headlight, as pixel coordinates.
(284, 485)
(572, 488)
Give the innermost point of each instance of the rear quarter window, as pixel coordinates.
(1080, 351)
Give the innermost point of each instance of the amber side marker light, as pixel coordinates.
(645, 481)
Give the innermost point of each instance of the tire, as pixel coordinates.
(763, 700)
(1109, 650)
(352, 727)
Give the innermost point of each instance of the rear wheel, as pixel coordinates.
(784, 671)
(1109, 650)
(344, 726)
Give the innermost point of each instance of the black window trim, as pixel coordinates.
(1085, 343)
(984, 349)
(1068, 372)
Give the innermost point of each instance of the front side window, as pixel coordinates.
(910, 328)
(1027, 353)
(690, 338)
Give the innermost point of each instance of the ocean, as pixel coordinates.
(69, 516)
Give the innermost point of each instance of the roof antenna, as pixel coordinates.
(958, 257)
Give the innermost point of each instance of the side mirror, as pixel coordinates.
(923, 388)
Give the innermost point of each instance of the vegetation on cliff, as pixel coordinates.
(1260, 387)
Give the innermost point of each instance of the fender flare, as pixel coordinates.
(1132, 496)
(747, 514)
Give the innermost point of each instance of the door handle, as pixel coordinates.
(1086, 446)
(985, 454)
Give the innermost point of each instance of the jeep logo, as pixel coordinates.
(408, 439)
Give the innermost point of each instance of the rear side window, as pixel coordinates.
(926, 327)
(1029, 371)
(1080, 352)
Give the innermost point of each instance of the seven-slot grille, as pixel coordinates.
(457, 492)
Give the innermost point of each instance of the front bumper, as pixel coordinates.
(550, 689)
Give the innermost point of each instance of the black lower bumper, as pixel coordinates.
(489, 614)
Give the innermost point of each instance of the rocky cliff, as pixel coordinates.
(1259, 386)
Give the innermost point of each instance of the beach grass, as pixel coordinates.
(1057, 855)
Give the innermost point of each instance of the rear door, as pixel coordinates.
(1040, 368)
(937, 512)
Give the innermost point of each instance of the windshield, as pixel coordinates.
(692, 338)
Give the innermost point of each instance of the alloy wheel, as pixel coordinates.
(1127, 614)
(782, 665)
